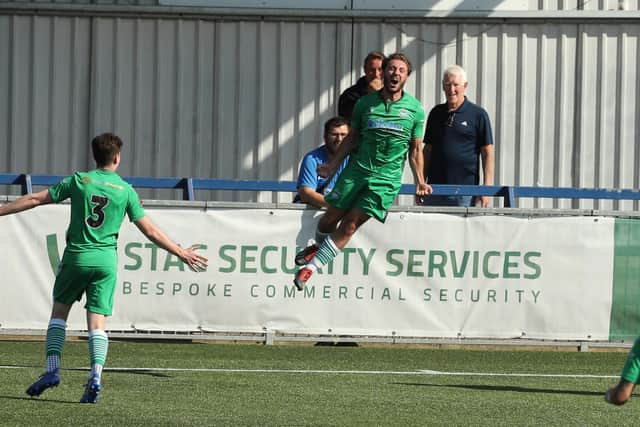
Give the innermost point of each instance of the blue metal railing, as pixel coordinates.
(190, 185)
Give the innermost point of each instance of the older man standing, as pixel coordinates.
(458, 134)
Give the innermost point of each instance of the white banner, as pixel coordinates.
(417, 275)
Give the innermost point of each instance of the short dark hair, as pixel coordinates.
(401, 57)
(105, 147)
(334, 122)
(376, 54)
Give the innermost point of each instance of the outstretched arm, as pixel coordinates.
(26, 202)
(188, 256)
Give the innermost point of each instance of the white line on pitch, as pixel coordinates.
(345, 372)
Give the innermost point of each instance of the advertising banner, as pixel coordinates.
(417, 275)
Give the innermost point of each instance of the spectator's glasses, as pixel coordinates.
(452, 116)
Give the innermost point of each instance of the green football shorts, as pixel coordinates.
(372, 194)
(631, 370)
(98, 283)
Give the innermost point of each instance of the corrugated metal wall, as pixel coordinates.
(246, 97)
(532, 5)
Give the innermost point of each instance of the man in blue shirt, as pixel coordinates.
(312, 187)
(458, 134)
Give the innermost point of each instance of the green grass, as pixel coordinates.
(168, 397)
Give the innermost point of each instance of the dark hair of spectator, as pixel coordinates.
(333, 123)
(376, 54)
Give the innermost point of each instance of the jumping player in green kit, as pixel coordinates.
(385, 126)
(100, 199)
(621, 392)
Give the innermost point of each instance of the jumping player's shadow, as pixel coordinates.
(516, 389)
(140, 371)
(149, 372)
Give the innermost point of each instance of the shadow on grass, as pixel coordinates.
(139, 371)
(149, 372)
(38, 399)
(516, 389)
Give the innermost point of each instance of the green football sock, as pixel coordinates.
(98, 346)
(55, 343)
(326, 252)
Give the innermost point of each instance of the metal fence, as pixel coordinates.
(189, 186)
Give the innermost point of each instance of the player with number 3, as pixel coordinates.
(100, 199)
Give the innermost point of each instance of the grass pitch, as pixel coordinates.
(169, 384)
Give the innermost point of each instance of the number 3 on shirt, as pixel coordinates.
(97, 216)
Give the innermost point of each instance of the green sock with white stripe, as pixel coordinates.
(326, 252)
(98, 346)
(55, 343)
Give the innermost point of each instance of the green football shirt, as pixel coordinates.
(386, 130)
(99, 201)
